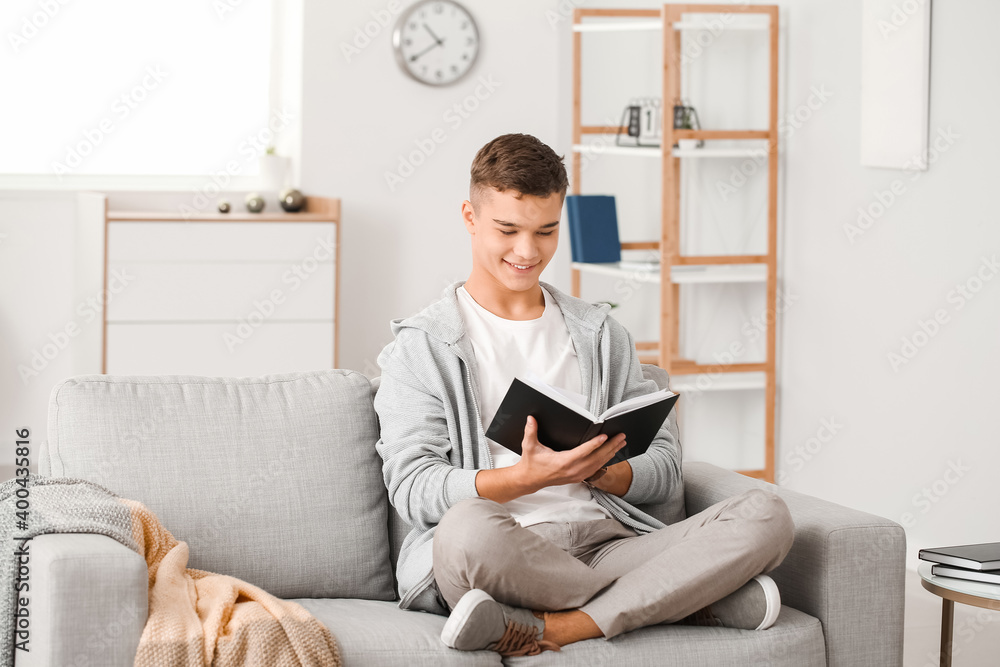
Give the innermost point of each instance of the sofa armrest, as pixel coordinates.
(845, 567)
(88, 602)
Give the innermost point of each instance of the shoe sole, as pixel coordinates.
(460, 615)
(773, 599)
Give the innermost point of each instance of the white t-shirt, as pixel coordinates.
(505, 348)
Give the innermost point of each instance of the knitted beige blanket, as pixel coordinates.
(196, 618)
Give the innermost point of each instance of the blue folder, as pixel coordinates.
(593, 228)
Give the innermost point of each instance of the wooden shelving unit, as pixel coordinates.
(685, 268)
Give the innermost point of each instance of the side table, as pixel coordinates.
(950, 591)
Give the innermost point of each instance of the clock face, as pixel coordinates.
(436, 42)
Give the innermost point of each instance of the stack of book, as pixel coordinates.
(973, 562)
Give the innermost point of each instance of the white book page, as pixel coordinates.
(570, 399)
(579, 399)
(637, 402)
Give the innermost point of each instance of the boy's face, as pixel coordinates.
(508, 233)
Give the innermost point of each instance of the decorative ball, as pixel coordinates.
(291, 200)
(255, 203)
(223, 206)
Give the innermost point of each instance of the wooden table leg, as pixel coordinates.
(947, 624)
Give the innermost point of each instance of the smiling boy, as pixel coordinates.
(532, 552)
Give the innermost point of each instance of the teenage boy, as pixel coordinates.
(537, 551)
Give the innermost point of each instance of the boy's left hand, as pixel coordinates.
(615, 479)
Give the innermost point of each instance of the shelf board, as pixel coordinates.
(691, 367)
(233, 320)
(682, 134)
(656, 151)
(175, 216)
(680, 274)
(657, 24)
(703, 25)
(640, 245)
(726, 382)
(720, 152)
(635, 151)
(618, 26)
(603, 129)
(722, 134)
(720, 259)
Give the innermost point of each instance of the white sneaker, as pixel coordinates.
(478, 622)
(753, 606)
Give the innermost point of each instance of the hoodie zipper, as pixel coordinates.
(417, 589)
(601, 497)
(475, 404)
(618, 512)
(602, 372)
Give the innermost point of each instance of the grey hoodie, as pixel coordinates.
(432, 441)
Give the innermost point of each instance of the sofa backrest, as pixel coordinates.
(274, 480)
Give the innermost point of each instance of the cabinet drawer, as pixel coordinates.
(217, 349)
(239, 241)
(160, 291)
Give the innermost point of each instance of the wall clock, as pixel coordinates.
(436, 42)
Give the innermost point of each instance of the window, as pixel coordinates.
(132, 88)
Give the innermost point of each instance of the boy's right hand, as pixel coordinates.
(541, 467)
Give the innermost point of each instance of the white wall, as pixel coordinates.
(36, 307)
(895, 432)
(402, 246)
(905, 430)
(898, 431)
(910, 441)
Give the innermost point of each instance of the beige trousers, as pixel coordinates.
(622, 580)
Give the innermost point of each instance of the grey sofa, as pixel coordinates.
(276, 480)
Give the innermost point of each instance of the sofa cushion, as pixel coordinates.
(274, 480)
(379, 633)
(371, 632)
(795, 640)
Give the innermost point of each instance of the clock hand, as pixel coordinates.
(436, 38)
(417, 55)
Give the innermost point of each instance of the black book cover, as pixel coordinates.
(970, 556)
(985, 576)
(562, 428)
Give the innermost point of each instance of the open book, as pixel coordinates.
(564, 422)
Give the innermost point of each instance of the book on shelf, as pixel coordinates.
(987, 577)
(976, 557)
(593, 228)
(564, 422)
(652, 264)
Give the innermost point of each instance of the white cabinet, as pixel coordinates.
(236, 294)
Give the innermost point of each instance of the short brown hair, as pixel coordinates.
(517, 162)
